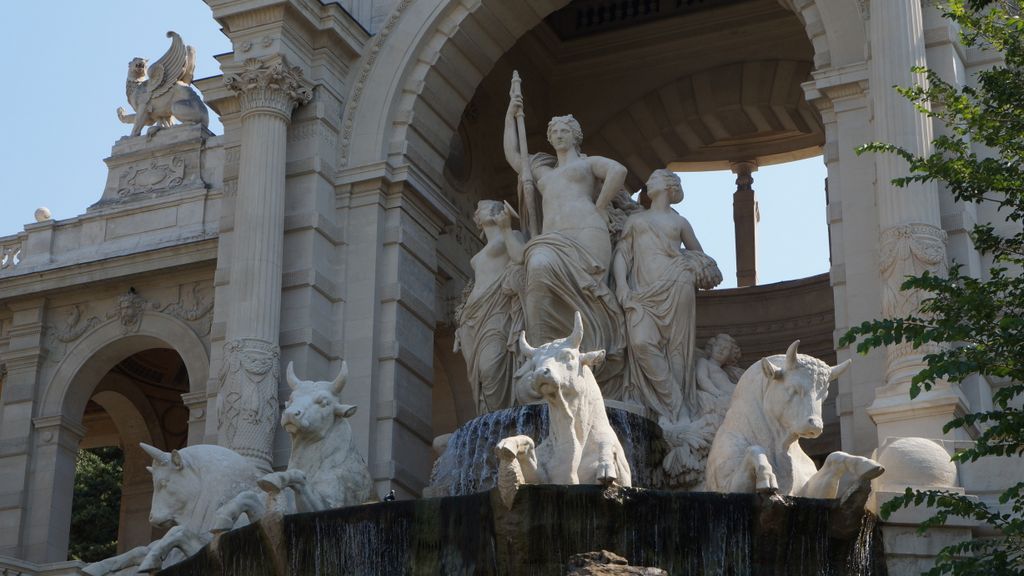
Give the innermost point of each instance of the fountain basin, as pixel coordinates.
(684, 533)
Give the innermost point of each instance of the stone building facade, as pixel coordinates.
(333, 220)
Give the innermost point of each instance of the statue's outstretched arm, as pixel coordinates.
(614, 176)
(619, 272)
(514, 244)
(511, 137)
(688, 237)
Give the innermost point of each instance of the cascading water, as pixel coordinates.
(469, 465)
(686, 534)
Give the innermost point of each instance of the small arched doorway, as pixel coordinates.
(116, 386)
(138, 400)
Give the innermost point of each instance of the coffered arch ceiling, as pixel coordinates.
(751, 110)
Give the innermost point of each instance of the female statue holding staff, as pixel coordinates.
(567, 263)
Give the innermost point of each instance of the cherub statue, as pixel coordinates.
(718, 371)
(162, 92)
(690, 436)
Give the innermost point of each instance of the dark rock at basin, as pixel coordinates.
(469, 464)
(685, 534)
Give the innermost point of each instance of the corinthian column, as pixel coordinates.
(912, 240)
(250, 371)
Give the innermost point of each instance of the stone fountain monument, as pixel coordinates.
(602, 429)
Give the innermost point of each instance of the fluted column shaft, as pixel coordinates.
(248, 404)
(912, 239)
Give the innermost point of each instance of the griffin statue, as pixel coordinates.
(162, 92)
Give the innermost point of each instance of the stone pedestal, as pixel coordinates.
(145, 167)
(268, 91)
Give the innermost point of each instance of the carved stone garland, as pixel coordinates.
(248, 400)
(908, 250)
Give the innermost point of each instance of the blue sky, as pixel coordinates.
(67, 62)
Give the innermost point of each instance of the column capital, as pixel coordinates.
(269, 86)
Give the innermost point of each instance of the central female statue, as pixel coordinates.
(567, 263)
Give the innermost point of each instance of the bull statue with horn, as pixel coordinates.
(325, 470)
(189, 486)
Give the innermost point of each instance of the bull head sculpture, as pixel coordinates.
(573, 341)
(776, 373)
(336, 386)
(313, 406)
(161, 458)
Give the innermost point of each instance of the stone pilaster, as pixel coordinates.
(268, 91)
(912, 240)
(23, 360)
(745, 216)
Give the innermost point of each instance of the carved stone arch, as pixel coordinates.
(836, 29)
(83, 366)
(441, 50)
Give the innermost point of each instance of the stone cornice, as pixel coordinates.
(327, 17)
(831, 84)
(427, 194)
(73, 277)
(49, 425)
(268, 86)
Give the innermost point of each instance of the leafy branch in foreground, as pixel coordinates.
(978, 323)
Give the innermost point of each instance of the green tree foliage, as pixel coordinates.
(95, 510)
(978, 322)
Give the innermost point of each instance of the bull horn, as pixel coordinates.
(576, 338)
(289, 376)
(838, 369)
(339, 383)
(158, 455)
(524, 346)
(791, 355)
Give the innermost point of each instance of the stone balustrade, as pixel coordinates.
(12, 251)
(162, 192)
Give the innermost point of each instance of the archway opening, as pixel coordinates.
(672, 85)
(138, 400)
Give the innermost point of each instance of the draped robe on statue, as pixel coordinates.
(563, 276)
(490, 324)
(661, 320)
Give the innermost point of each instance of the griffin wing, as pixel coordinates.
(171, 67)
(190, 65)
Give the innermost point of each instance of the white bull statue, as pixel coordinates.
(324, 470)
(189, 486)
(581, 447)
(778, 401)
